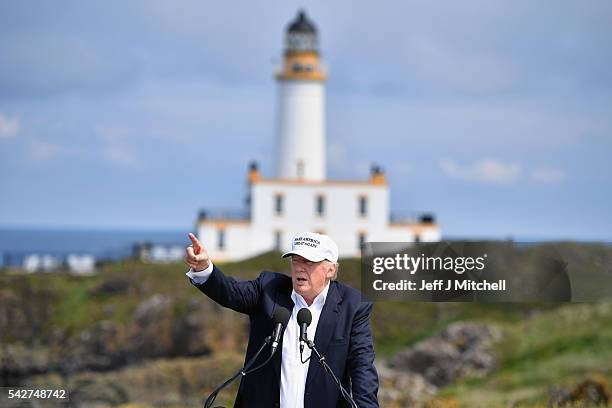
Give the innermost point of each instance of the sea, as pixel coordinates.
(104, 245)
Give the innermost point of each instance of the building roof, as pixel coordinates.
(302, 24)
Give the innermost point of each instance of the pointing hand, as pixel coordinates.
(196, 256)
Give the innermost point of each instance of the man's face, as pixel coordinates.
(309, 278)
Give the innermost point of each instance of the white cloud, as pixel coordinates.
(9, 127)
(485, 171)
(41, 150)
(121, 155)
(547, 175)
(116, 148)
(112, 132)
(444, 65)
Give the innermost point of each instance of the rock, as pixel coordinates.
(110, 287)
(413, 376)
(592, 391)
(18, 361)
(24, 311)
(151, 333)
(402, 389)
(462, 349)
(91, 392)
(176, 382)
(190, 329)
(101, 348)
(151, 309)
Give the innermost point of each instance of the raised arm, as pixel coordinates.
(241, 296)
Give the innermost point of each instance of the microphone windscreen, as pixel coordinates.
(281, 315)
(304, 316)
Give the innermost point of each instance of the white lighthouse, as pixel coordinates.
(301, 105)
(300, 197)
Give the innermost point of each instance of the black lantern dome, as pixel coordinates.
(301, 35)
(302, 24)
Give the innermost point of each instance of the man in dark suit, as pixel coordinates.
(340, 327)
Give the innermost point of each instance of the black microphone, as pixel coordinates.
(281, 318)
(304, 318)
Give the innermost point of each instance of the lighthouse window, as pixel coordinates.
(221, 239)
(297, 67)
(278, 204)
(320, 205)
(361, 239)
(363, 206)
(278, 240)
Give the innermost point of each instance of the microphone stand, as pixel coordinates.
(242, 372)
(329, 371)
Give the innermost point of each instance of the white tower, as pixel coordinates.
(301, 105)
(299, 197)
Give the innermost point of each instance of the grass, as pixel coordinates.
(556, 348)
(545, 344)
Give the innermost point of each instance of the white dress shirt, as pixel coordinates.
(293, 371)
(200, 277)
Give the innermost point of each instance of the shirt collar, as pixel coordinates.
(319, 299)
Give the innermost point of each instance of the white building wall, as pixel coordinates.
(396, 234)
(430, 235)
(341, 220)
(82, 264)
(301, 130)
(238, 242)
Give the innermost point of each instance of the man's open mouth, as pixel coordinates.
(301, 279)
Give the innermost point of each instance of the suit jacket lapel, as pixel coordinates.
(325, 327)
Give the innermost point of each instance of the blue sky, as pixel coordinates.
(496, 116)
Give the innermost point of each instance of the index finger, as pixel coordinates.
(196, 244)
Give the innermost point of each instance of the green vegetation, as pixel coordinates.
(555, 348)
(545, 345)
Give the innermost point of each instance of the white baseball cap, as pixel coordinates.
(314, 247)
